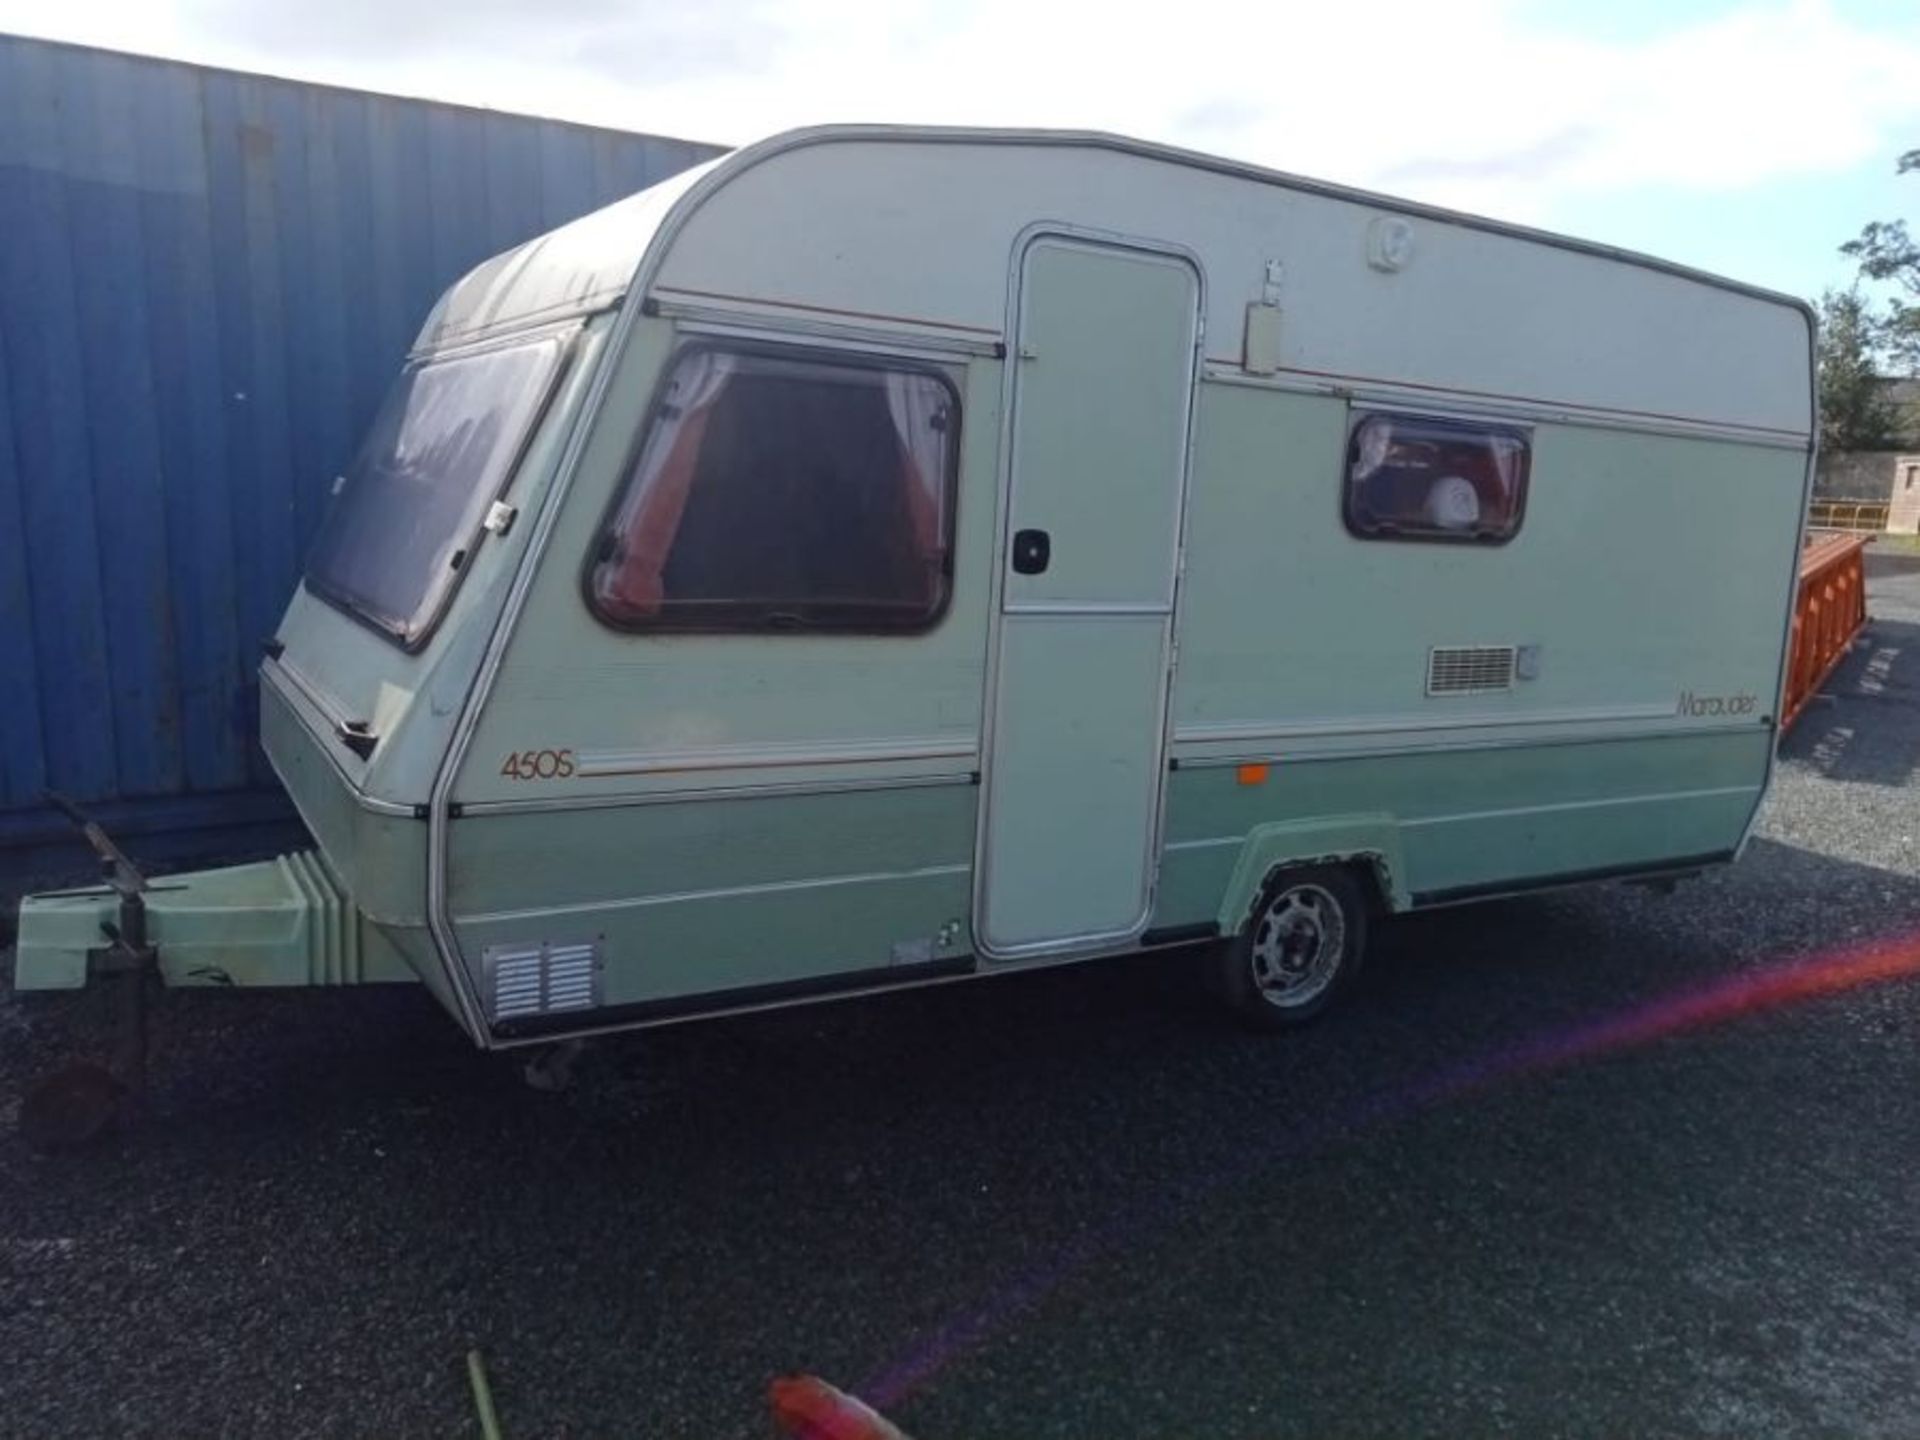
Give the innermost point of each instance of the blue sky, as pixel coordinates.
(1749, 137)
(1783, 231)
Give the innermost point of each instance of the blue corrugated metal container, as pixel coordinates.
(207, 279)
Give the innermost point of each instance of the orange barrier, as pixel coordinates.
(1831, 610)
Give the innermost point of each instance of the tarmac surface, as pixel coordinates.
(1582, 1164)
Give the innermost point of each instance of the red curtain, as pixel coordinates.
(658, 492)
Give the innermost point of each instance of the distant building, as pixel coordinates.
(1903, 511)
(1890, 475)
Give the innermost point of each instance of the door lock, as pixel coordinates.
(1032, 549)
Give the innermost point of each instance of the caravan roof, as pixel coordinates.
(914, 229)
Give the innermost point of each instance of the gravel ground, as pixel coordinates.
(1067, 1204)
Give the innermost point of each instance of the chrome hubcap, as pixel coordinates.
(1297, 945)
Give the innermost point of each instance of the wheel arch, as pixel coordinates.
(1368, 844)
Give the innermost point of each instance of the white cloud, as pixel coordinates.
(1470, 103)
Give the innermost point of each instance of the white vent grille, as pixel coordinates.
(1469, 669)
(542, 979)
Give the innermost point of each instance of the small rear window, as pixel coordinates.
(785, 491)
(1415, 477)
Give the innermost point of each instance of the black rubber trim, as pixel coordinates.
(1182, 934)
(719, 1002)
(1686, 865)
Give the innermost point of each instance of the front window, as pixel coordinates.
(1419, 477)
(408, 514)
(785, 491)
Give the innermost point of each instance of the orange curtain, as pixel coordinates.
(657, 493)
(915, 403)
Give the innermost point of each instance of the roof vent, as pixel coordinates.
(541, 979)
(1469, 669)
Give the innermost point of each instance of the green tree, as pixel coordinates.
(1855, 413)
(1888, 254)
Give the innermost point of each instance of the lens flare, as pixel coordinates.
(1728, 999)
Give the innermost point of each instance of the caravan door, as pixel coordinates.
(1094, 488)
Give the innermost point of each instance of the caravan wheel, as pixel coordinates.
(1300, 950)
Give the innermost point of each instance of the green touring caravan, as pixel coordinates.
(884, 556)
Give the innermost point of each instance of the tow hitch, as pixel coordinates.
(79, 1100)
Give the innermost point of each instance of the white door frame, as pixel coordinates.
(1096, 240)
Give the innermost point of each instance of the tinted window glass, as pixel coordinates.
(785, 492)
(399, 532)
(1412, 477)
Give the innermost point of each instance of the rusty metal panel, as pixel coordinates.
(206, 280)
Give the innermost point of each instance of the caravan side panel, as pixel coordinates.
(1646, 570)
(734, 811)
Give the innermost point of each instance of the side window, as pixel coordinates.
(785, 492)
(1416, 477)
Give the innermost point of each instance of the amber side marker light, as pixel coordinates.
(1251, 774)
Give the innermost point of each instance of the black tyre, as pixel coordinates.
(1299, 951)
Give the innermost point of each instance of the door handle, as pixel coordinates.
(1032, 549)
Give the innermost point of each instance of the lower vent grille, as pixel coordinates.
(542, 979)
(1469, 669)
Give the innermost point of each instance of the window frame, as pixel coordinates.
(880, 361)
(1357, 417)
(431, 620)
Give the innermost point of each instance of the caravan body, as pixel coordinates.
(887, 555)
